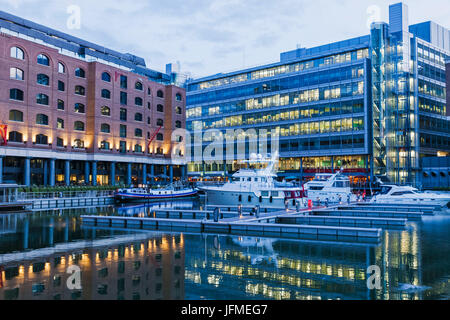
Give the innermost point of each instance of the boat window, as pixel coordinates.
(401, 193)
(316, 188)
(265, 193)
(235, 179)
(274, 193)
(385, 190)
(249, 179)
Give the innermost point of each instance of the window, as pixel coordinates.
(60, 104)
(149, 105)
(160, 137)
(138, 133)
(148, 120)
(43, 79)
(160, 94)
(105, 111)
(42, 59)
(122, 146)
(60, 123)
(178, 97)
(123, 82)
(79, 108)
(15, 136)
(59, 142)
(16, 115)
(138, 101)
(123, 131)
(41, 139)
(138, 117)
(159, 150)
(78, 144)
(138, 148)
(178, 124)
(123, 98)
(104, 145)
(139, 86)
(123, 114)
(178, 110)
(42, 119)
(160, 122)
(80, 90)
(61, 86)
(106, 94)
(106, 77)
(61, 68)
(149, 91)
(160, 108)
(78, 126)
(16, 94)
(17, 53)
(16, 74)
(42, 99)
(105, 128)
(79, 72)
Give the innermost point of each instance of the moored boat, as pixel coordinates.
(143, 194)
(393, 194)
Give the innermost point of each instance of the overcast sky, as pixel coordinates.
(212, 36)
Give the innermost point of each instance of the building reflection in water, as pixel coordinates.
(136, 268)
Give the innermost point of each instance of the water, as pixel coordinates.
(36, 251)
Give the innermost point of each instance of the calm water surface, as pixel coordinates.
(37, 249)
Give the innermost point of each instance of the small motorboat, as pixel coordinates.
(143, 194)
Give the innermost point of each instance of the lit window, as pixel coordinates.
(17, 53)
(16, 74)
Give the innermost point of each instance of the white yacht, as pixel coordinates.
(252, 187)
(331, 188)
(393, 194)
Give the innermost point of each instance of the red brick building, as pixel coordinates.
(80, 113)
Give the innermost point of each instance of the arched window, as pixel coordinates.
(79, 72)
(138, 101)
(149, 91)
(106, 77)
(42, 119)
(17, 53)
(15, 136)
(43, 79)
(16, 74)
(16, 115)
(60, 104)
(78, 126)
(42, 59)
(16, 94)
(138, 117)
(105, 111)
(60, 123)
(160, 94)
(80, 90)
(42, 99)
(106, 94)
(179, 97)
(79, 108)
(105, 128)
(178, 124)
(139, 86)
(178, 110)
(41, 139)
(160, 137)
(138, 148)
(160, 122)
(61, 68)
(138, 133)
(160, 108)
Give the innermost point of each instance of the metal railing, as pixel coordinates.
(64, 195)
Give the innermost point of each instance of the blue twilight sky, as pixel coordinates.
(212, 36)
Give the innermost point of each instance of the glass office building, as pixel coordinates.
(370, 106)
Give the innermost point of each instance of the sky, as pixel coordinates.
(211, 36)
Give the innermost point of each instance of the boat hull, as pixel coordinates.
(443, 202)
(136, 197)
(231, 198)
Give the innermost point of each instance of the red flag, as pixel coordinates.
(3, 134)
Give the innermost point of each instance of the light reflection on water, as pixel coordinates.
(35, 251)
